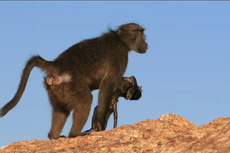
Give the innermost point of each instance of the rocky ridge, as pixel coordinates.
(169, 134)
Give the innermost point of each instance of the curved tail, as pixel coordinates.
(32, 62)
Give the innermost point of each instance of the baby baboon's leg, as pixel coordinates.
(130, 93)
(115, 114)
(110, 111)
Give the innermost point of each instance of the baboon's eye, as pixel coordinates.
(136, 31)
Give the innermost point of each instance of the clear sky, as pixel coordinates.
(185, 70)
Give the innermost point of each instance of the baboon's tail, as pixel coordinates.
(32, 62)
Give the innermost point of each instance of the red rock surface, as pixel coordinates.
(169, 134)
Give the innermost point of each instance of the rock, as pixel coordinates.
(169, 134)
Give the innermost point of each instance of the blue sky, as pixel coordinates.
(185, 70)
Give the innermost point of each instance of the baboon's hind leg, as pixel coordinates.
(58, 122)
(83, 103)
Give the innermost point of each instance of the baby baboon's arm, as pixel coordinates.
(130, 92)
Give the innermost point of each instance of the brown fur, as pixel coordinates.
(97, 63)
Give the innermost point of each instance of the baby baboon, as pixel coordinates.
(97, 63)
(128, 89)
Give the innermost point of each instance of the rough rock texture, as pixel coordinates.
(169, 134)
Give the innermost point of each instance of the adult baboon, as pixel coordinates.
(128, 89)
(97, 63)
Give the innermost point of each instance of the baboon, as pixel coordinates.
(128, 89)
(97, 63)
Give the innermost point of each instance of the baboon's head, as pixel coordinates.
(137, 94)
(133, 36)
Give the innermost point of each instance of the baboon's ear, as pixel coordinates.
(140, 88)
(119, 31)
